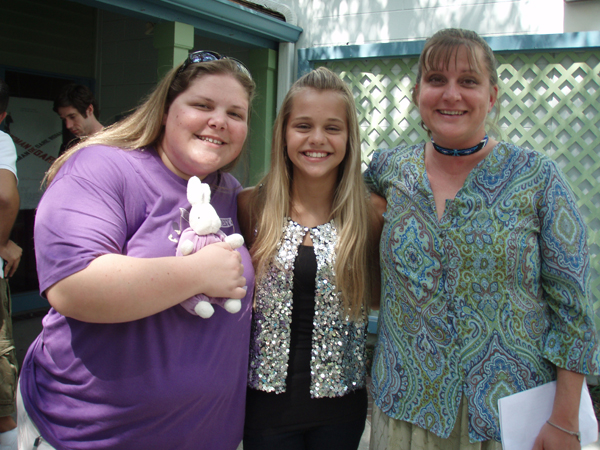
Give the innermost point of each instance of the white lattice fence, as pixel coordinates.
(549, 102)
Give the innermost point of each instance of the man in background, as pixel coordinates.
(10, 256)
(78, 109)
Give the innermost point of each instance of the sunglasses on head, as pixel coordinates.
(205, 56)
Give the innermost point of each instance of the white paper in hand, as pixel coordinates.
(522, 416)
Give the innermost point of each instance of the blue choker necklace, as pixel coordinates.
(463, 151)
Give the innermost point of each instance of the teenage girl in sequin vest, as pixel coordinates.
(313, 232)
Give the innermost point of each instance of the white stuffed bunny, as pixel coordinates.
(205, 229)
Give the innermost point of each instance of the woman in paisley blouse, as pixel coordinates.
(308, 226)
(485, 270)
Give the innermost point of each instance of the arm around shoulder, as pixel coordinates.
(378, 207)
(245, 219)
(117, 288)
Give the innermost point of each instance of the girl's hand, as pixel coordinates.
(222, 271)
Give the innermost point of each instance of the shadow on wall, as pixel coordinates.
(340, 22)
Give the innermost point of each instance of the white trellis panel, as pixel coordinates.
(549, 102)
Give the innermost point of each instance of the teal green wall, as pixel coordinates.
(53, 36)
(173, 40)
(263, 65)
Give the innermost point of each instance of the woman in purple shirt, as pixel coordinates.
(119, 364)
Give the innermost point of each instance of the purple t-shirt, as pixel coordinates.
(170, 381)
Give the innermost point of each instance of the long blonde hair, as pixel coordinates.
(270, 203)
(144, 126)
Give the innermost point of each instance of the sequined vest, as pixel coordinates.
(338, 344)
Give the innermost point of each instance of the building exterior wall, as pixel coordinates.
(127, 64)
(549, 96)
(348, 22)
(582, 16)
(549, 101)
(50, 36)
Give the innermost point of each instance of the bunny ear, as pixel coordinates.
(194, 191)
(197, 191)
(205, 192)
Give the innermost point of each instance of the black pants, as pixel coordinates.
(343, 436)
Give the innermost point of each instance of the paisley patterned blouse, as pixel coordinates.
(484, 302)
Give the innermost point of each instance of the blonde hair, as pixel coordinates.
(270, 203)
(441, 48)
(144, 126)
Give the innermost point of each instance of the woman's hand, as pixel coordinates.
(223, 271)
(551, 438)
(565, 414)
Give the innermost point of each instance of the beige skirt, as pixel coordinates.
(392, 434)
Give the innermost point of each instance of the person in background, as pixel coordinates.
(78, 109)
(119, 363)
(315, 253)
(485, 270)
(10, 256)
